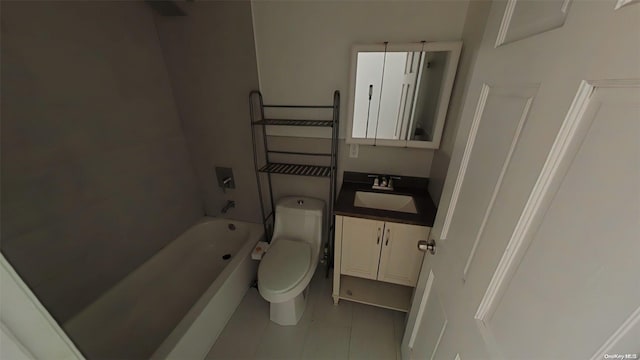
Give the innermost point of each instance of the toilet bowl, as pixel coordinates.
(288, 266)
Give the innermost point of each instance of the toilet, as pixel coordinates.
(288, 266)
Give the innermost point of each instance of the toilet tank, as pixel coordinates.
(300, 218)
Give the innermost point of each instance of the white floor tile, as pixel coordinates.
(399, 324)
(240, 337)
(282, 342)
(372, 333)
(326, 331)
(324, 311)
(326, 342)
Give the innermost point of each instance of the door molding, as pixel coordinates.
(506, 22)
(27, 324)
(547, 180)
(423, 304)
(468, 148)
(526, 92)
(621, 3)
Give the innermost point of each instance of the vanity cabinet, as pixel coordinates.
(381, 250)
(377, 262)
(361, 252)
(400, 259)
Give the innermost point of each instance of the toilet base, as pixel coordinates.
(288, 313)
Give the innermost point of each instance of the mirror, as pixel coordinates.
(400, 93)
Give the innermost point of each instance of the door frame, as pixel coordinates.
(28, 330)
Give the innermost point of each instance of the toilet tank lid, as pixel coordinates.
(300, 202)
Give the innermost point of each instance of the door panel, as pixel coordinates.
(503, 115)
(593, 223)
(500, 116)
(430, 332)
(400, 259)
(361, 241)
(528, 18)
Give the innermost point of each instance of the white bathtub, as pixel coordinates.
(176, 304)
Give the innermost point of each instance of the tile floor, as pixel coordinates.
(346, 331)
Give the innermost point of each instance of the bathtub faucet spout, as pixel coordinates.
(230, 204)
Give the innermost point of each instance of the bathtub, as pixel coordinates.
(175, 304)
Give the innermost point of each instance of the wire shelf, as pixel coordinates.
(256, 109)
(297, 169)
(293, 122)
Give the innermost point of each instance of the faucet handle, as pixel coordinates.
(376, 179)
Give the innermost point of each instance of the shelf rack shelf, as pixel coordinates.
(292, 122)
(265, 165)
(297, 169)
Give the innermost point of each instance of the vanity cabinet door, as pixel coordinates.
(400, 258)
(361, 240)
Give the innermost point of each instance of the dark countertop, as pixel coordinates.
(415, 187)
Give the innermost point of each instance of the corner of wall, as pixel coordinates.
(255, 42)
(472, 35)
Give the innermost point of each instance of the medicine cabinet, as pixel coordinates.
(399, 93)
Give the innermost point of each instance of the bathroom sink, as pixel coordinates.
(393, 202)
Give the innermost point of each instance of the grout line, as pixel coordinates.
(350, 332)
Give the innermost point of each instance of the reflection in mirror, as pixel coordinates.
(402, 95)
(397, 94)
(429, 85)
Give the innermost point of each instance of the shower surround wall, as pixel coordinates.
(96, 176)
(211, 59)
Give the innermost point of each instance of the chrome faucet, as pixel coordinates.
(230, 204)
(384, 183)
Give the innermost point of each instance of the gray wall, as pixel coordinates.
(211, 59)
(96, 177)
(474, 25)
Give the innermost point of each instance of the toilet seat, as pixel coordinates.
(284, 266)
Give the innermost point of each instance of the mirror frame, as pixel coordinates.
(453, 47)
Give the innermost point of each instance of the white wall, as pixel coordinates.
(304, 50)
(210, 56)
(474, 25)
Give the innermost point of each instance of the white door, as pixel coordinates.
(400, 259)
(538, 229)
(361, 240)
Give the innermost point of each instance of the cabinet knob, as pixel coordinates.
(378, 242)
(427, 245)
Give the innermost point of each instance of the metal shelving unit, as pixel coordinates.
(268, 167)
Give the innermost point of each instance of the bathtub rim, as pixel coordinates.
(255, 234)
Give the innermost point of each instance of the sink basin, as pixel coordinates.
(380, 201)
